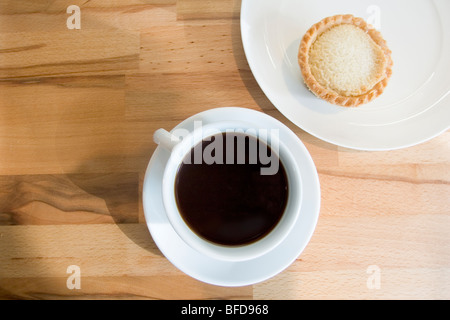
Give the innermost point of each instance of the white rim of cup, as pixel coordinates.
(220, 252)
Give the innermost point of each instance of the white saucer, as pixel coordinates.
(225, 273)
(415, 106)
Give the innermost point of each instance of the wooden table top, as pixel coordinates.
(78, 108)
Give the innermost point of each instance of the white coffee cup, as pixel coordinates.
(180, 147)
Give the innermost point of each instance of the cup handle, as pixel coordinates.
(165, 139)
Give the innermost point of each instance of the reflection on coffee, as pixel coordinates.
(231, 204)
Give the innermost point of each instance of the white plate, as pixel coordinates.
(416, 104)
(225, 273)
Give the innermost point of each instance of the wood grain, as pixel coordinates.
(210, 9)
(56, 53)
(77, 112)
(69, 199)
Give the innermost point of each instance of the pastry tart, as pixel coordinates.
(345, 61)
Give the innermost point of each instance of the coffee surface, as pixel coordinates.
(230, 202)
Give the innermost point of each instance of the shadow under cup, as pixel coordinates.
(232, 195)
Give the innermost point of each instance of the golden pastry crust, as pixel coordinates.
(331, 95)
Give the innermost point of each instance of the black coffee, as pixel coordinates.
(229, 201)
